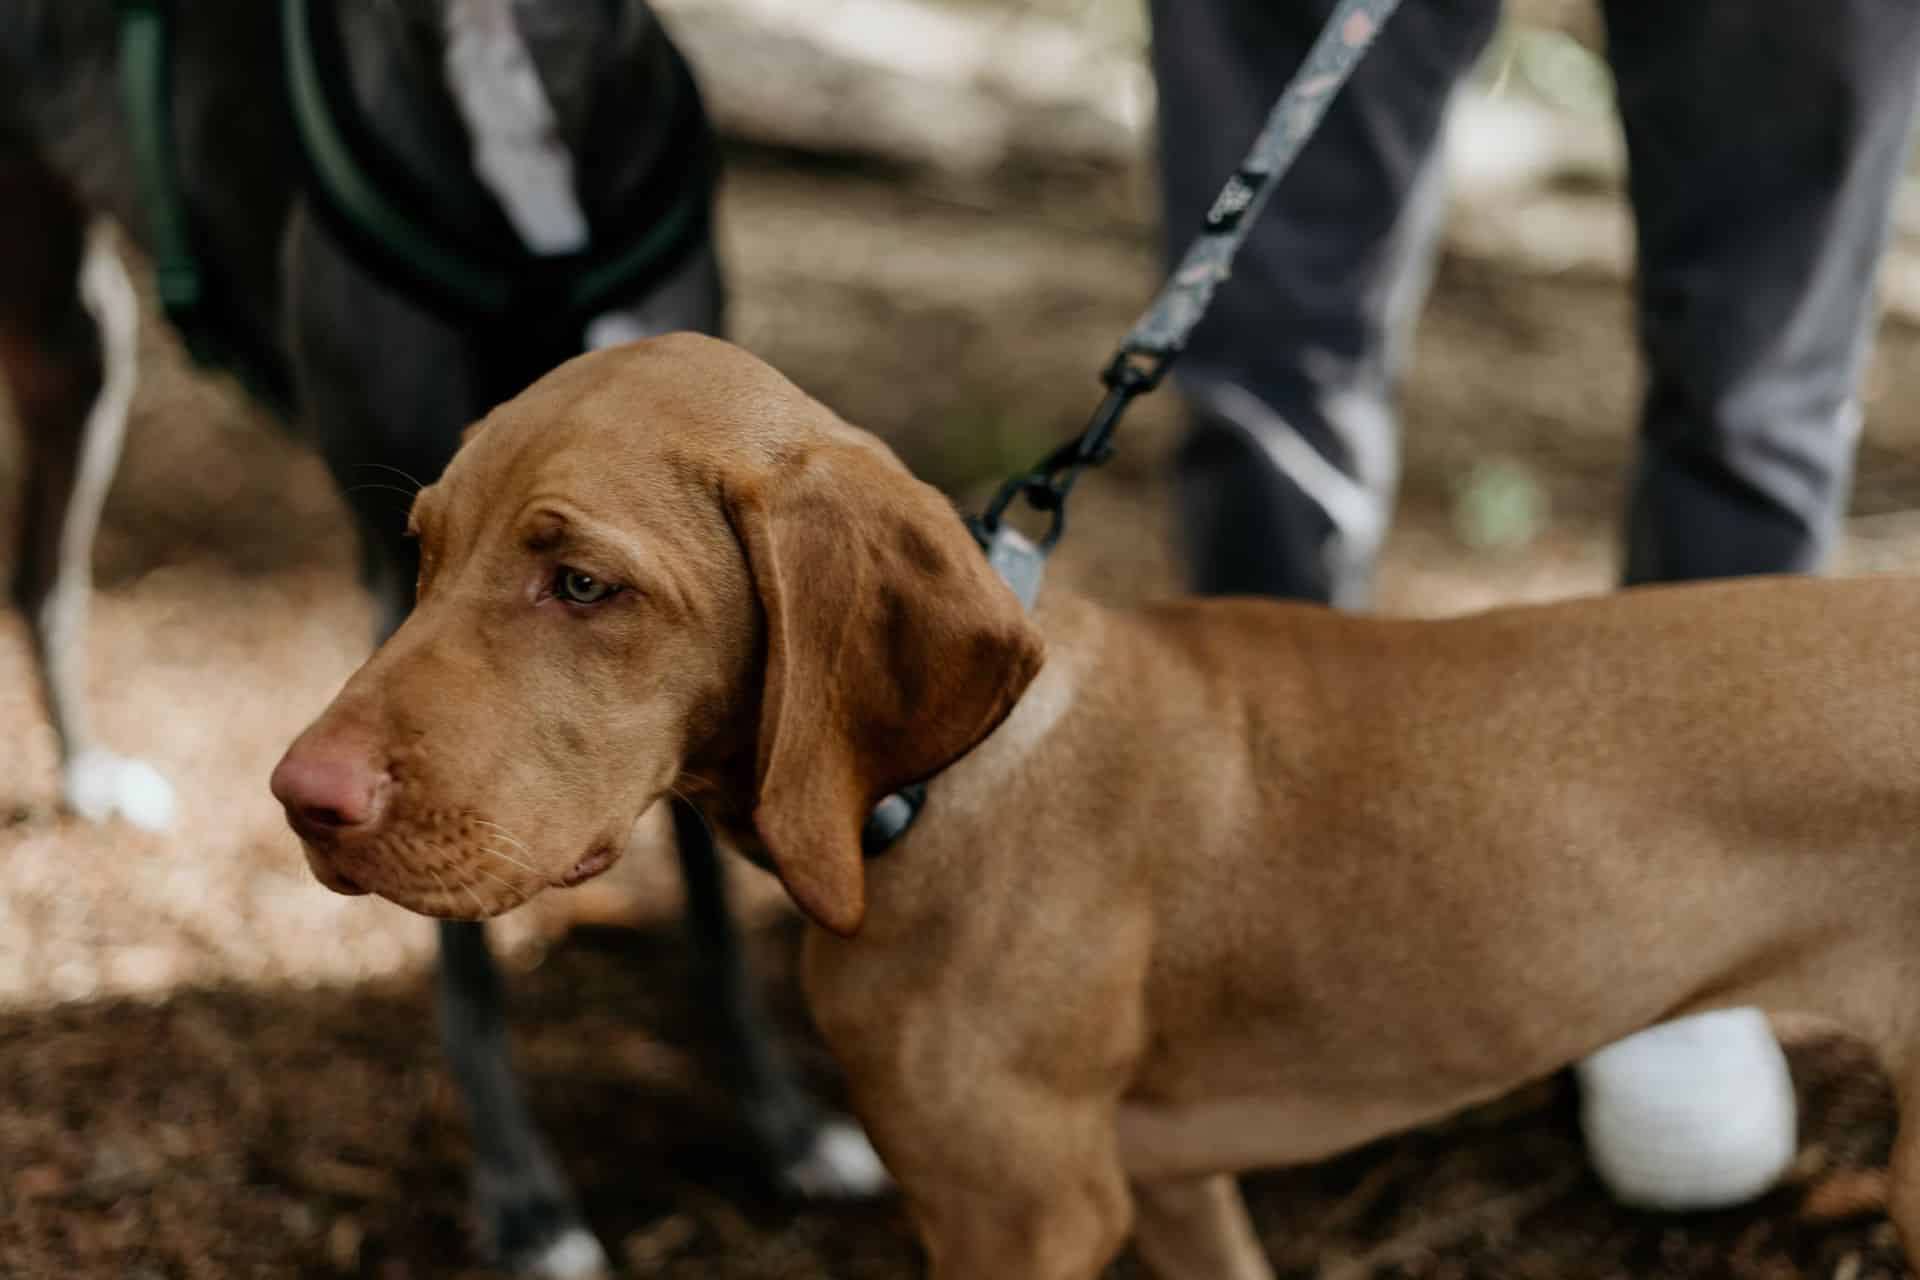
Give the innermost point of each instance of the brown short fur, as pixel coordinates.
(1235, 883)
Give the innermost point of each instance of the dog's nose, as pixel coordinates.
(327, 794)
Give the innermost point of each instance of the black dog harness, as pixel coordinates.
(473, 272)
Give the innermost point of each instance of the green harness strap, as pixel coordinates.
(355, 194)
(190, 304)
(591, 282)
(145, 51)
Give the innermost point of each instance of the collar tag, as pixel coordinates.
(1018, 560)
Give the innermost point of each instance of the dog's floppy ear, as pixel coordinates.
(891, 650)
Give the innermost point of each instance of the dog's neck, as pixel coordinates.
(723, 788)
(981, 776)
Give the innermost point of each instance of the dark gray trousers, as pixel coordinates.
(1765, 140)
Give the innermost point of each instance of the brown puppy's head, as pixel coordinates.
(663, 565)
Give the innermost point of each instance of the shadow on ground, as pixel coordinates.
(237, 1132)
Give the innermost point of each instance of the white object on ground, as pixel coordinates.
(1698, 1113)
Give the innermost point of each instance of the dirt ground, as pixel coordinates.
(210, 1067)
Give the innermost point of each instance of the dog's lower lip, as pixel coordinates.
(590, 866)
(329, 874)
(341, 883)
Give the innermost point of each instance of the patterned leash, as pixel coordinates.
(1158, 337)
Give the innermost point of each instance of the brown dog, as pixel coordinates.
(1222, 884)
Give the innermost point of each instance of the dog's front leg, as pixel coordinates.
(1197, 1229)
(996, 1113)
(1014, 1183)
(525, 1208)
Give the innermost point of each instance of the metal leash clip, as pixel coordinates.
(1019, 560)
(1046, 488)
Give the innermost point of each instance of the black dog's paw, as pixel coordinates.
(836, 1163)
(534, 1232)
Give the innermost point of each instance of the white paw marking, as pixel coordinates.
(576, 1255)
(100, 785)
(61, 621)
(1693, 1114)
(841, 1165)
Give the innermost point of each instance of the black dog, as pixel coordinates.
(386, 216)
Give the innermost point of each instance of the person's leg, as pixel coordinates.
(1766, 138)
(1285, 482)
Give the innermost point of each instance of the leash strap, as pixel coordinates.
(1162, 332)
(1157, 338)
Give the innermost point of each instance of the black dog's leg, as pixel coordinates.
(808, 1152)
(529, 1221)
(783, 1120)
(529, 1214)
(525, 1206)
(69, 356)
(385, 425)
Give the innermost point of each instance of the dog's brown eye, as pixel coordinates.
(576, 587)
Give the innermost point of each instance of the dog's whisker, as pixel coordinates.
(506, 835)
(478, 906)
(507, 858)
(372, 485)
(409, 477)
(447, 893)
(497, 879)
(519, 895)
(674, 790)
